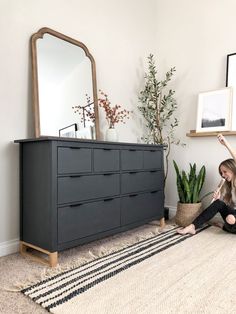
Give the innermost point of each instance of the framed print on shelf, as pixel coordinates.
(68, 131)
(231, 70)
(86, 133)
(231, 82)
(214, 110)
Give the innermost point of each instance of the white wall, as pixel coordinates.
(195, 36)
(119, 34)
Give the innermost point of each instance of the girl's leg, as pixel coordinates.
(230, 219)
(211, 211)
(206, 215)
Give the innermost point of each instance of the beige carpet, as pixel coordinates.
(196, 276)
(16, 270)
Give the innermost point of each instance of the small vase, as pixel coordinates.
(111, 135)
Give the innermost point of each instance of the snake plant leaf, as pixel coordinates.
(195, 194)
(192, 171)
(189, 184)
(202, 175)
(186, 187)
(180, 187)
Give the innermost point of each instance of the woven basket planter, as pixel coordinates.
(186, 213)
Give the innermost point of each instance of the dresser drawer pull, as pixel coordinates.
(75, 176)
(133, 195)
(106, 148)
(132, 172)
(152, 150)
(153, 170)
(74, 147)
(108, 199)
(107, 174)
(132, 150)
(75, 205)
(152, 192)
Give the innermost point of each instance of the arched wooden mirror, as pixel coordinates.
(64, 81)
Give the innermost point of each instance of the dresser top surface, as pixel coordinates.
(82, 141)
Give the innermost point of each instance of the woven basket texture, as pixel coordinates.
(186, 213)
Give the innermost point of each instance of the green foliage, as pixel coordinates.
(190, 185)
(158, 108)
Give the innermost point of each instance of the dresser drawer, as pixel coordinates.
(137, 207)
(131, 159)
(152, 159)
(75, 222)
(106, 160)
(79, 188)
(141, 181)
(74, 160)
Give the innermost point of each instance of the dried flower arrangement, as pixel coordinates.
(113, 114)
(86, 112)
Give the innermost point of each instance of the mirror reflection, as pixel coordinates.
(64, 87)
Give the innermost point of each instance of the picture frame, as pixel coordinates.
(68, 131)
(86, 133)
(214, 110)
(231, 82)
(231, 70)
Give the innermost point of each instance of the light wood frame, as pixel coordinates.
(34, 38)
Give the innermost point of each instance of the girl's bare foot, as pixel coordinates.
(190, 229)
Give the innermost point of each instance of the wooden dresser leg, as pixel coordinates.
(22, 248)
(53, 259)
(162, 223)
(52, 256)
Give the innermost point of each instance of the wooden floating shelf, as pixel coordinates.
(193, 133)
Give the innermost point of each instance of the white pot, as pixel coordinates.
(111, 135)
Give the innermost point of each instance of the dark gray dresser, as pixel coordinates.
(74, 191)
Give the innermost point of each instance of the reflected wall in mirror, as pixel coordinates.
(64, 85)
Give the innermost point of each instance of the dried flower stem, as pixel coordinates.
(86, 112)
(113, 114)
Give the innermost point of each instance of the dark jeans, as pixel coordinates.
(217, 206)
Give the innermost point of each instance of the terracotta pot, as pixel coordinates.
(186, 213)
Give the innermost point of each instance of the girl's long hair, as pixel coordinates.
(228, 186)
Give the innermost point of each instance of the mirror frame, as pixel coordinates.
(33, 40)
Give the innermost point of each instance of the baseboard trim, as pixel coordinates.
(9, 247)
(172, 211)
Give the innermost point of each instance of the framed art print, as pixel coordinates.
(68, 131)
(214, 110)
(231, 82)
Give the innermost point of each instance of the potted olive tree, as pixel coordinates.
(189, 187)
(158, 105)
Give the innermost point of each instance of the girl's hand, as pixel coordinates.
(216, 194)
(222, 140)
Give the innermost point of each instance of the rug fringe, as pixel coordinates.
(91, 255)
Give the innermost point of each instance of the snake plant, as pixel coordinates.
(189, 185)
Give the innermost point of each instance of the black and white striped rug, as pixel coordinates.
(61, 288)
